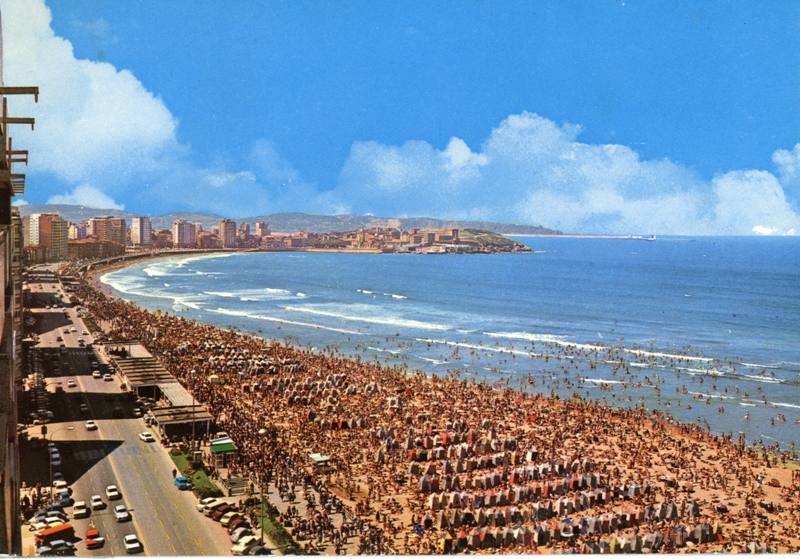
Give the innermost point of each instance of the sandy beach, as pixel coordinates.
(425, 464)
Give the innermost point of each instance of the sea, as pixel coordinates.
(705, 329)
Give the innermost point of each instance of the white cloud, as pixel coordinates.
(86, 195)
(225, 178)
(532, 170)
(19, 202)
(788, 162)
(94, 122)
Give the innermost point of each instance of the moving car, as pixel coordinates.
(55, 460)
(107, 377)
(93, 539)
(112, 492)
(91, 425)
(97, 374)
(121, 513)
(97, 502)
(80, 510)
(84, 408)
(147, 437)
(71, 383)
(132, 544)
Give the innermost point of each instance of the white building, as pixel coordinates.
(141, 231)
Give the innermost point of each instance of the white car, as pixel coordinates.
(243, 545)
(113, 493)
(107, 377)
(97, 374)
(71, 383)
(132, 543)
(55, 460)
(91, 425)
(121, 513)
(147, 437)
(97, 502)
(207, 502)
(80, 510)
(73, 329)
(228, 516)
(60, 484)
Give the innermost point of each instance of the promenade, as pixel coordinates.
(422, 464)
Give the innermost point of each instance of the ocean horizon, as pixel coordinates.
(706, 329)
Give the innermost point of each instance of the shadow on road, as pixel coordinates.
(77, 458)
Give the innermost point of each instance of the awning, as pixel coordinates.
(318, 458)
(223, 447)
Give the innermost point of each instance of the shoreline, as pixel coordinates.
(437, 398)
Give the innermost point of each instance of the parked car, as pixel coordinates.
(121, 513)
(107, 377)
(204, 503)
(132, 544)
(259, 550)
(220, 511)
(147, 437)
(226, 518)
(237, 523)
(241, 547)
(183, 483)
(211, 508)
(239, 533)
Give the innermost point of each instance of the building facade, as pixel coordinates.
(227, 233)
(184, 234)
(108, 228)
(141, 232)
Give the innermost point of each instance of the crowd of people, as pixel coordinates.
(429, 464)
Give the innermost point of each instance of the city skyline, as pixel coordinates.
(605, 118)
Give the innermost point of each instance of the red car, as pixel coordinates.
(93, 539)
(220, 511)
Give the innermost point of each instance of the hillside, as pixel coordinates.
(295, 221)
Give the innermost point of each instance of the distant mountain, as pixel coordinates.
(291, 221)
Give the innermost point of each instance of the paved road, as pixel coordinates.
(164, 518)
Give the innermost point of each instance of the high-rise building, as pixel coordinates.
(76, 231)
(141, 231)
(12, 183)
(183, 234)
(108, 228)
(48, 231)
(53, 236)
(227, 233)
(262, 229)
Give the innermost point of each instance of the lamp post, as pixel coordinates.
(261, 433)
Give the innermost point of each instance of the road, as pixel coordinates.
(164, 518)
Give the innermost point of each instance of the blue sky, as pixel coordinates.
(676, 117)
